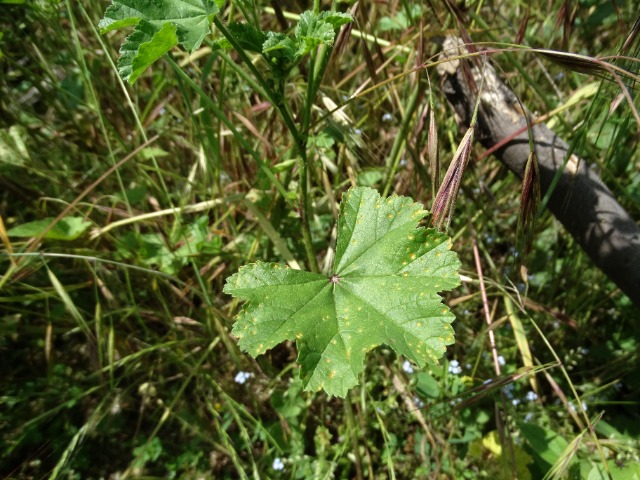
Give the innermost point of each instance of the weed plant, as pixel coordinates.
(117, 356)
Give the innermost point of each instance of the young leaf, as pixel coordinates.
(67, 228)
(159, 26)
(280, 50)
(383, 290)
(248, 37)
(312, 31)
(336, 19)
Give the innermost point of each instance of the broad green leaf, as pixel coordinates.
(546, 444)
(67, 228)
(159, 26)
(383, 289)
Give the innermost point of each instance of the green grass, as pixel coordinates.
(116, 352)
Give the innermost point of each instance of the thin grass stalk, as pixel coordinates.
(223, 118)
(401, 138)
(485, 301)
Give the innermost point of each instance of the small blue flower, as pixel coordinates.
(515, 402)
(242, 377)
(528, 417)
(278, 464)
(407, 367)
(501, 360)
(531, 396)
(508, 391)
(358, 131)
(418, 403)
(454, 367)
(573, 407)
(387, 117)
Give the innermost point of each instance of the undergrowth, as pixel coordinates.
(117, 356)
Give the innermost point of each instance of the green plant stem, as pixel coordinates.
(300, 140)
(273, 97)
(400, 140)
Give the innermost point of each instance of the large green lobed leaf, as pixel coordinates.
(159, 26)
(383, 290)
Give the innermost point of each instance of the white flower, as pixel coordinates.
(454, 367)
(573, 407)
(277, 464)
(501, 360)
(407, 367)
(531, 396)
(242, 377)
(387, 117)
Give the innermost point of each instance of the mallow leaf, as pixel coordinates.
(158, 27)
(383, 289)
(311, 31)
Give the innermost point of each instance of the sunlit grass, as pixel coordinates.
(117, 356)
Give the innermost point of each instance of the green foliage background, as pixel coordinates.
(117, 357)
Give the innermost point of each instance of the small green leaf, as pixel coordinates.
(143, 54)
(336, 19)
(67, 228)
(313, 31)
(427, 386)
(159, 26)
(280, 50)
(248, 36)
(383, 289)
